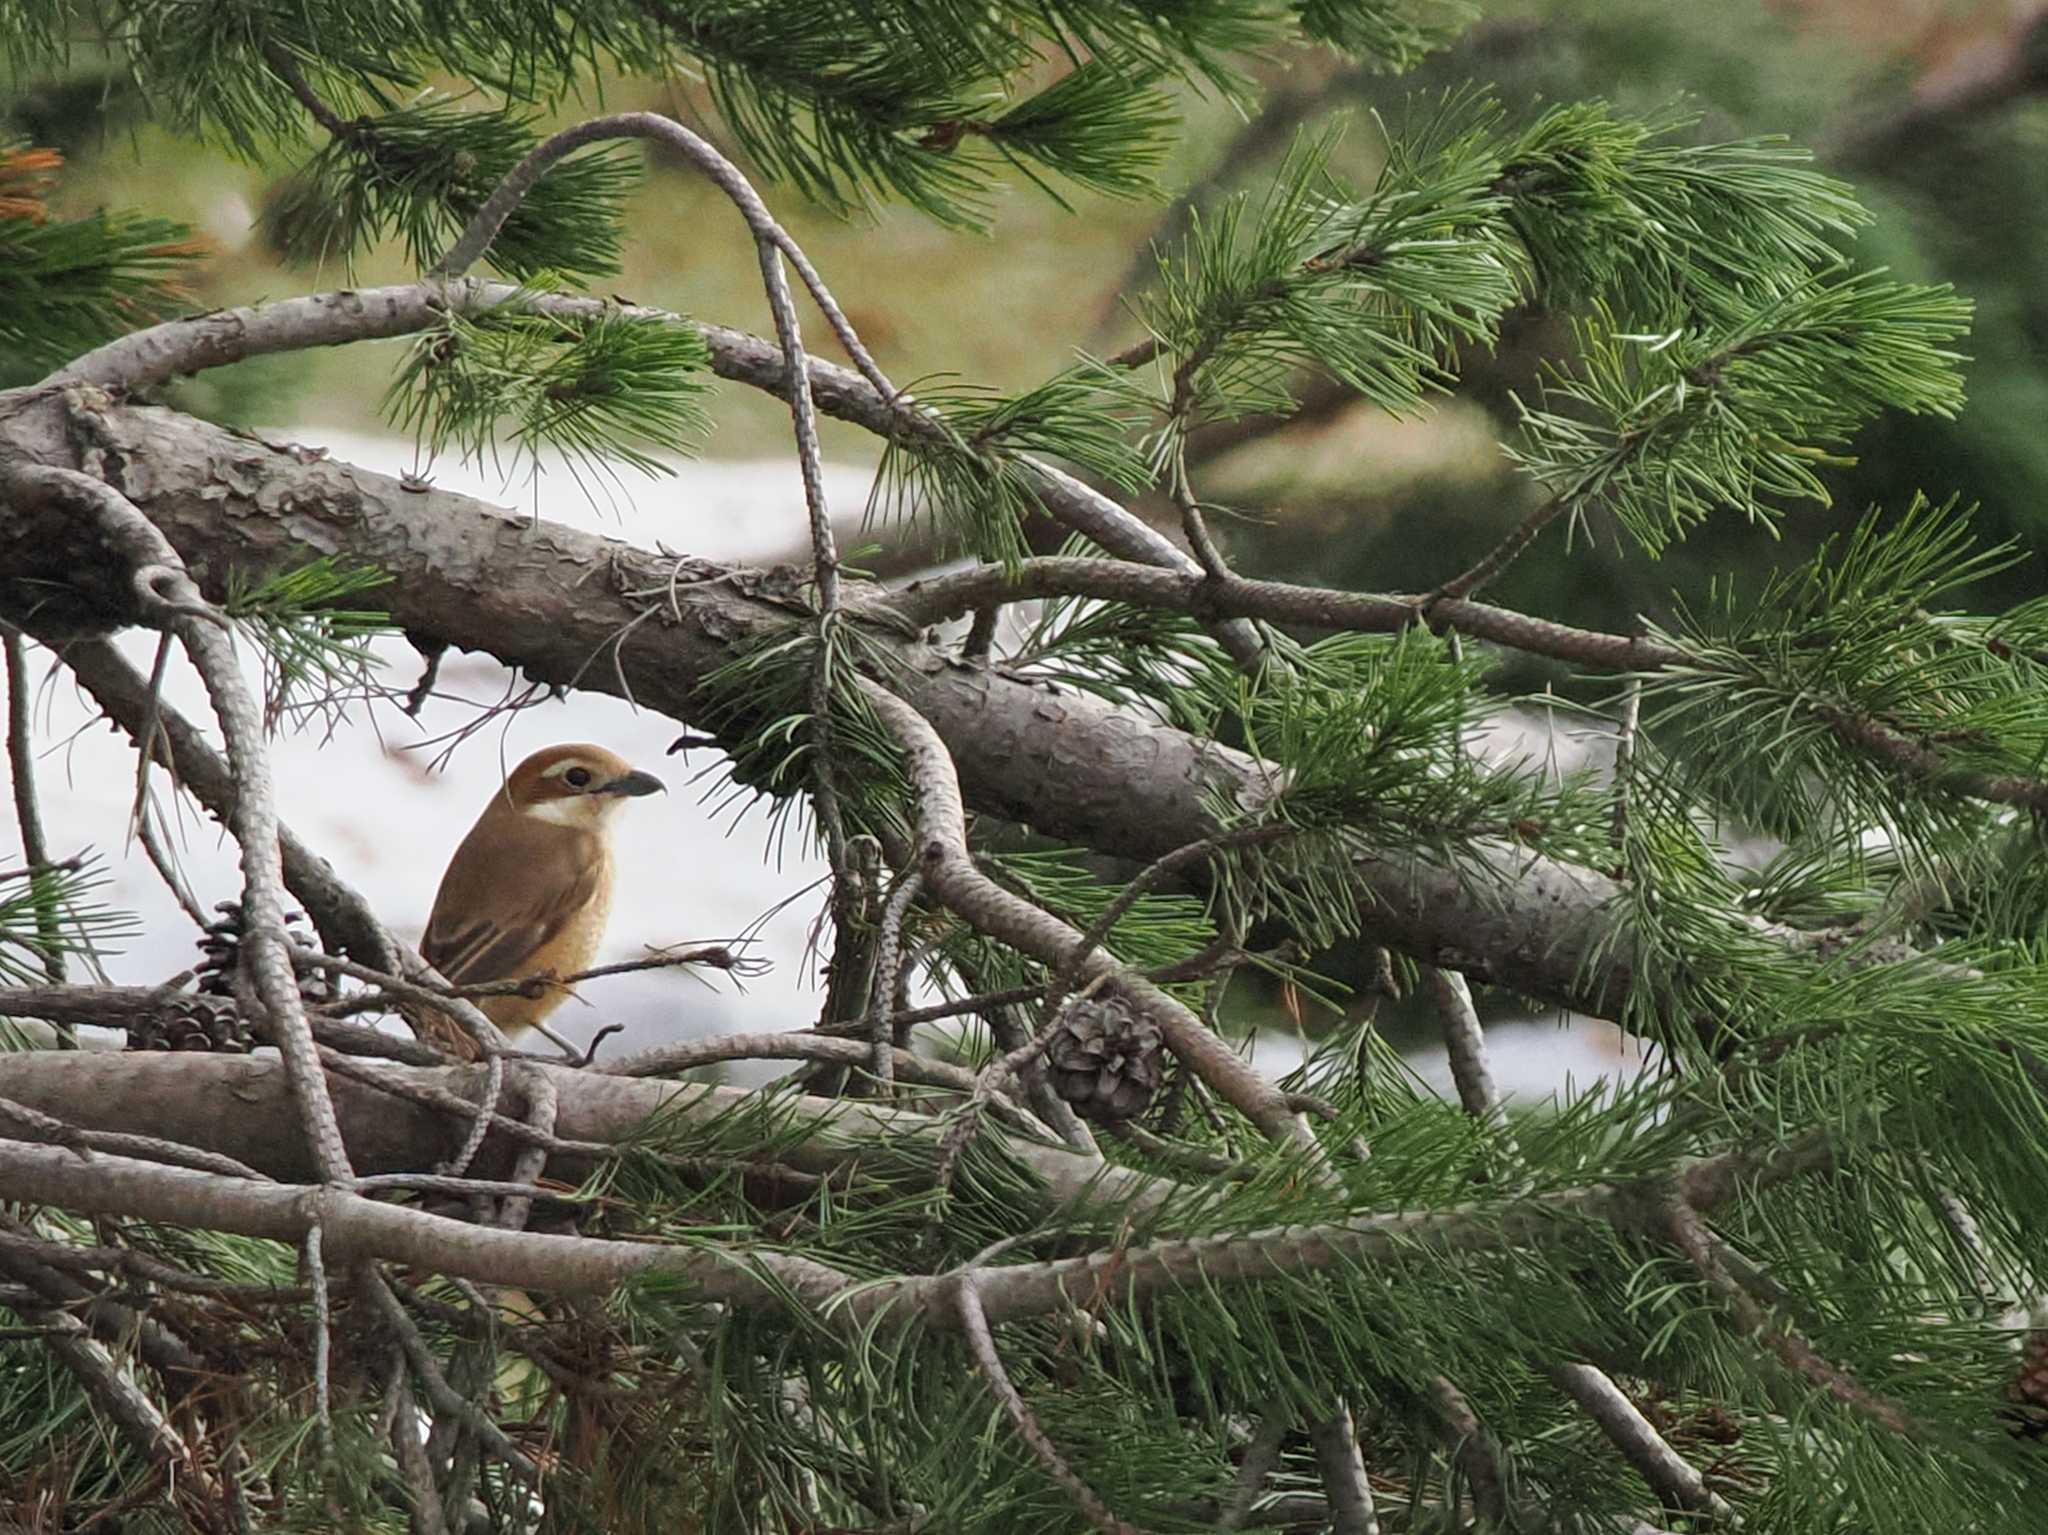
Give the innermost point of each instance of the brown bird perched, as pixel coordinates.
(529, 890)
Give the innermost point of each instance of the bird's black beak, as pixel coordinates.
(635, 783)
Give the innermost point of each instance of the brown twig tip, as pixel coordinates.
(589, 1056)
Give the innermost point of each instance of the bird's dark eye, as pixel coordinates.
(577, 778)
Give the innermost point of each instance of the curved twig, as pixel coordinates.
(203, 630)
(981, 1343)
(950, 875)
(35, 852)
(159, 353)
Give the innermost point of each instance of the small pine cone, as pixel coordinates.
(221, 951)
(1105, 1060)
(2028, 1392)
(201, 1023)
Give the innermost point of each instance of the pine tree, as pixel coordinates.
(1096, 1271)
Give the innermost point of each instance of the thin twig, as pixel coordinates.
(138, 811)
(32, 1124)
(443, 1397)
(1724, 1276)
(543, 1105)
(78, 1329)
(937, 598)
(1477, 1453)
(888, 962)
(716, 957)
(35, 852)
(323, 1342)
(1502, 554)
(1625, 759)
(1633, 1435)
(480, 1122)
(952, 878)
(981, 633)
(167, 594)
(1141, 884)
(411, 1455)
(1464, 1042)
(981, 1344)
(471, 1188)
(429, 987)
(990, 1081)
(1191, 1158)
(905, 1065)
(140, 1268)
(345, 919)
(1192, 524)
(1670, 1475)
(167, 869)
(1260, 1457)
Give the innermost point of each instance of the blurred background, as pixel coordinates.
(1936, 110)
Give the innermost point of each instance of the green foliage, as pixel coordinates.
(1394, 37)
(424, 170)
(591, 389)
(314, 650)
(918, 99)
(968, 473)
(1666, 232)
(1666, 430)
(1372, 292)
(66, 285)
(763, 697)
(1091, 128)
(56, 910)
(1367, 737)
(1856, 636)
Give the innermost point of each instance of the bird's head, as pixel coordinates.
(575, 785)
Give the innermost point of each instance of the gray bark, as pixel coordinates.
(238, 1106)
(558, 604)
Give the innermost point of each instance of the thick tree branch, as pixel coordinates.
(358, 1228)
(236, 1106)
(162, 352)
(551, 600)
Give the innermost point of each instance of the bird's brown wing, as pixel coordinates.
(527, 905)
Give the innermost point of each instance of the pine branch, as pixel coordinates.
(952, 879)
(166, 592)
(369, 314)
(761, 1278)
(981, 1344)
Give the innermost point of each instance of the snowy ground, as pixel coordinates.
(381, 799)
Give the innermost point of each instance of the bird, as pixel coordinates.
(529, 890)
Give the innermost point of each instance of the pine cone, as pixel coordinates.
(2028, 1392)
(192, 1023)
(222, 951)
(1105, 1060)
